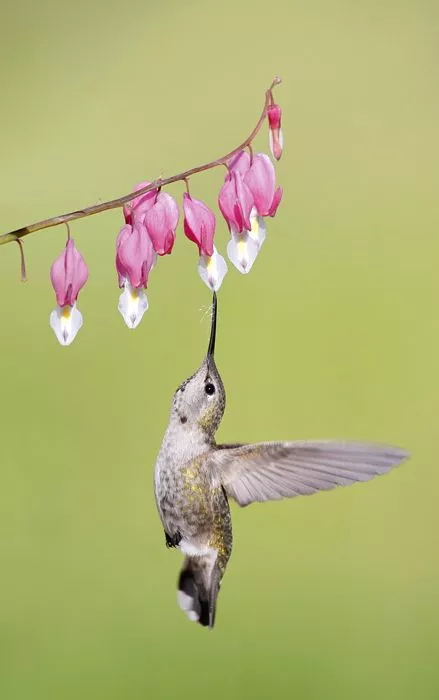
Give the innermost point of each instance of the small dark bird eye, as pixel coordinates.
(209, 389)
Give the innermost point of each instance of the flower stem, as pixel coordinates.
(120, 201)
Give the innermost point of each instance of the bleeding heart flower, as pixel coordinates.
(199, 227)
(69, 273)
(259, 177)
(135, 258)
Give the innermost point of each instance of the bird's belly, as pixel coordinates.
(185, 505)
(193, 548)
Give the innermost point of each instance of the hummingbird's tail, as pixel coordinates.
(198, 588)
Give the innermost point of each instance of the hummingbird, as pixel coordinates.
(195, 477)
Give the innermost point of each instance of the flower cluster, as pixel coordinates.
(247, 197)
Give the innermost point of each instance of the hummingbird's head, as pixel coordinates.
(199, 402)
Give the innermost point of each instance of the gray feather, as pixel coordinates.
(272, 470)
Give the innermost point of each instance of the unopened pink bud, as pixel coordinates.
(274, 114)
(199, 224)
(68, 273)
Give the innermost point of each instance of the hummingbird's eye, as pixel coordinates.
(209, 389)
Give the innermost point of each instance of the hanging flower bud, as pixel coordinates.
(161, 220)
(68, 274)
(135, 258)
(275, 135)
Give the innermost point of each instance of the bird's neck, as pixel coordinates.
(181, 443)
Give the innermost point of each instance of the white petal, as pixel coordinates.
(242, 251)
(66, 322)
(132, 305)
(212, 269)
(281, 140)
(270, 140)
(258, 230)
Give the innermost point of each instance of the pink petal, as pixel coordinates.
(161, 221)
(274, 114)
(276, 201)
(136, 255)
(226, 202)
(244, 201)
(261, 180)
(139, 205)
(236, 202)
(199, 224)
(240, 163)
(68, 273)
(123, 234)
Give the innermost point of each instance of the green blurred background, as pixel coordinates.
(335, 333)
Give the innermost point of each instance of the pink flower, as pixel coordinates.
(199, 224)
(199, 227)
(161, 220)
(134, 259)
(260, 180)
(276, 138)
(69, 273)
(236, 202)
(138, 206)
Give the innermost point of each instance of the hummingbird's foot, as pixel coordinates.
(173, 541)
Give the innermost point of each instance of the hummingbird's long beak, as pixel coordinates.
(211, 348)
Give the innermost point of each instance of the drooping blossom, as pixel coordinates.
(258, 176)
(68, 274)
(161, 220)
(199, 226)
(134, 259)
(275, 134)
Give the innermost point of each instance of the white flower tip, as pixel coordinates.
(274, 148)
(212, 269)
(242, 250)
(66, 321)
(132, 305)
(258, 231)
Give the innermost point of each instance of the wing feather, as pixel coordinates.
(273, 470)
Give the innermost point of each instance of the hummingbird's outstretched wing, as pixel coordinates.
(272, 470)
